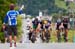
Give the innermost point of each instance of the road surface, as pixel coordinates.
(40, 46)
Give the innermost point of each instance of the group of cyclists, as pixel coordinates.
(38, 27)
(43, 27)
(62, 28)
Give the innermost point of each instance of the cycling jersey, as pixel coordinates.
(65, 23)
(35, 24)
(45, 23)
(10, 17)
(58, 23)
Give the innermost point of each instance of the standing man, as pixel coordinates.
(11, 20)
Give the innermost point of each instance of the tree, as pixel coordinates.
(32, 7)
(4, 7)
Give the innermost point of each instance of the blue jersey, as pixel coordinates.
(10, 17)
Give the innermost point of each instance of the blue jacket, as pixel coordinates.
(11, 17)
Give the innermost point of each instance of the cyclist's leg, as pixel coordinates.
(33, 37)
(44, 34)
(30, 33)
(66, 35)
(36, 31)
(58, 35)
(10, 35)
(33, 34)
(15, 34)
(6, 36)
(47, 35)
(41, 34)
(49, 30)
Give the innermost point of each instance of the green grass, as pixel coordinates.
(71, 34)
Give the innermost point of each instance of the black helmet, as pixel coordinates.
(11, 6)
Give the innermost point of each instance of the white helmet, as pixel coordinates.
(33, 19)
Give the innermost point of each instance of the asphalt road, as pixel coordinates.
(40, 46)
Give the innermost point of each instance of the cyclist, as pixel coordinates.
(45, 26)
(28, 23)
(58, 23)
(36, 25)
(11, 20)
(66, 24)
(34, 29)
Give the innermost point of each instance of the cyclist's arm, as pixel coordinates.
(39, 25)
(49, 23)
(44, 26)
(61, 26)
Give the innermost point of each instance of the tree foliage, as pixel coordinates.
(4, 7)
(32, 7)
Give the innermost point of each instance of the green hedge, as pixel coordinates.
(2, 37)
(19, 21)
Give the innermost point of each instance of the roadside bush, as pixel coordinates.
(19, 24)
